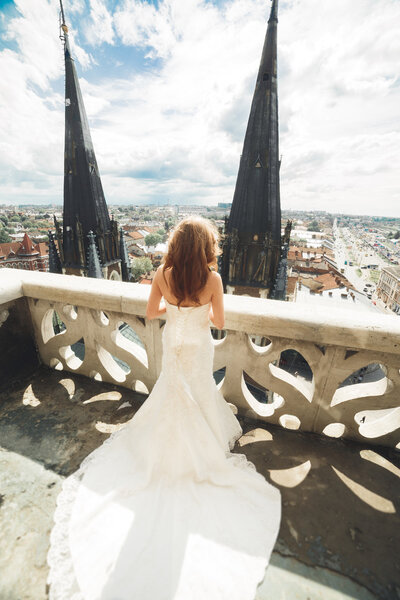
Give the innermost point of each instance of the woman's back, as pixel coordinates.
(186, 277)
(204, 295)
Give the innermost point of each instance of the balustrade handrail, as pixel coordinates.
(335, 343)
(318, 324)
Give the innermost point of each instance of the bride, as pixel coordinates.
(162, 510)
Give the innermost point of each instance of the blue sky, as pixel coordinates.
(167, 87)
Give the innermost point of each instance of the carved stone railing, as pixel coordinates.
(335, 344)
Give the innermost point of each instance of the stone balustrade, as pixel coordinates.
(335, 344)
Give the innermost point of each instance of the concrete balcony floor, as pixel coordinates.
(339, 535)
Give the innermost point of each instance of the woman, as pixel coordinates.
(163, 510)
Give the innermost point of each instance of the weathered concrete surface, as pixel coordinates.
(339, 535)
(340, 515)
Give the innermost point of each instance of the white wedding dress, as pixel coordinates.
(162, 510)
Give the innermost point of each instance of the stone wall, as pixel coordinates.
(334, 345)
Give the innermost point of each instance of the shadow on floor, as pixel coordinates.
(340, 500)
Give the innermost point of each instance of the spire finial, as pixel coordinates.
(93, 261)
(62, 19)
(274, 11)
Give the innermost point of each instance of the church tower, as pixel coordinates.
(252, 245)
(86, 222)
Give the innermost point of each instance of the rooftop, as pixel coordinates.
(331, 450)
(340, 499)
(395, 271)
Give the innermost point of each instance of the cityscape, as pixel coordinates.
(334, 257)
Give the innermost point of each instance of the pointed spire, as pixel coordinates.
(93, 261)
(83, 191)
(54, 259)
(62, 18)
(125, 261)
(274, 11)
(256, 202)
(253, 243)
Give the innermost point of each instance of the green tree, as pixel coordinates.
(161, 232)
(152, 239)
(397, 235)
(4, 219)
(140, 267)
(15, 219)
(4, 237)
(168, 224)
(313, 226)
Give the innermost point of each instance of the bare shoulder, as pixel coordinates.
(215, 280)
(159, 272)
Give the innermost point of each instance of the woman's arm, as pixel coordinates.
(217, 302)
(154, 309)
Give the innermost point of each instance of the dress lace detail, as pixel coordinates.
(163, 510)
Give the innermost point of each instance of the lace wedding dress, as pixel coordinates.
(162, 510)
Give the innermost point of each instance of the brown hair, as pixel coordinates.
(192, 250)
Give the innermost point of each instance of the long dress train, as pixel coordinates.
(162, 510)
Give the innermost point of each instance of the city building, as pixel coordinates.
(388, 288)
(24, 255)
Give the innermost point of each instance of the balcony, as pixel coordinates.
(318, 396)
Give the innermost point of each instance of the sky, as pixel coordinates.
(167, 86)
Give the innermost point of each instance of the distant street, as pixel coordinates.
(342, 254)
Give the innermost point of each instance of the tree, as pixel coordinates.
(396, 235)
(161, 232)
(168, 224)
(152, 239)
(4, 237)
(4, 219)
(140, 267)
(313, 226)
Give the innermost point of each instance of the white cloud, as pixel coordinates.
(337, 95)
(173, 126)
(100, 25)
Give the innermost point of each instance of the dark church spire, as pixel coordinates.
(253, 243)
(83, 192)
(85, 208)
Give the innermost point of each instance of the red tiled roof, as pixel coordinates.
(330, 281)
(291, 285)
(27, 247)
(42, 248)
(24, 248)
(136, 235)
(9, 248)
